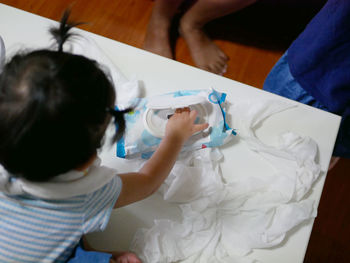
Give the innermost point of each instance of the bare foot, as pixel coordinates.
(205, 53)
(157, 39)
(124, 257)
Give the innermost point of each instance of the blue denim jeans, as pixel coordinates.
(281, 82)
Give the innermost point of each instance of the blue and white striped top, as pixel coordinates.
(33, 230)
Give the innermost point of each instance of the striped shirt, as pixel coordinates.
(33, 230)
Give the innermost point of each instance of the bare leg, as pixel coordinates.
(157, 36)
(206, 55)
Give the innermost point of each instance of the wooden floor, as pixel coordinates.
(254, 39)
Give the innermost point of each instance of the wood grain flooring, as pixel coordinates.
(254, 39)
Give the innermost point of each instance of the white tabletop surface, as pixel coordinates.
(161, 75)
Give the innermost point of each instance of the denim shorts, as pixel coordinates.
(281, 82)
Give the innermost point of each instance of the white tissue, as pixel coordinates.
(223, 222)
(193, 177)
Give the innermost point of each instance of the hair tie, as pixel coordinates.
(116, 112)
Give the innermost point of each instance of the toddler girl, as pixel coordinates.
(54, 111)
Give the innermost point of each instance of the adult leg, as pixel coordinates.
(157, 37)
(205, 53)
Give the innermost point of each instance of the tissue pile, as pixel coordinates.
(223, 222)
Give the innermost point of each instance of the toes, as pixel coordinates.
(224, 70)
(223, 56)
(216, 69)
(222, 65)
(219, 67)
(215, 62)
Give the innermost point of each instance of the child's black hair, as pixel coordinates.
(54, 110)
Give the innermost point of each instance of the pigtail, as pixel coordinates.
(61, 33)
(119, 121)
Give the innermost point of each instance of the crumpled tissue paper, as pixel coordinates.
(223, 222)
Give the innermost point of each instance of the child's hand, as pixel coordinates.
(137, 186)
(181, 125)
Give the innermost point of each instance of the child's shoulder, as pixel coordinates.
(64, 186)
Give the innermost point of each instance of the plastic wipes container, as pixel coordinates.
(145, 126)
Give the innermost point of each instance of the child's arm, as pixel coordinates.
(138, 186)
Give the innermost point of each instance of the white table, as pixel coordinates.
(160, 75)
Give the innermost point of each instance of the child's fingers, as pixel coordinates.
(193, 114)
(200, 127)
(180, 110)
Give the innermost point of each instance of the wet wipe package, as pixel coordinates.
(145, 126)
